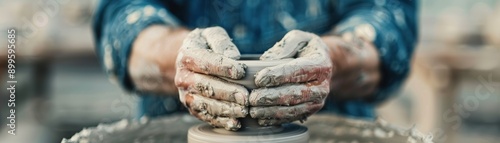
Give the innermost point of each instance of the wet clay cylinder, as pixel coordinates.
(250, 131)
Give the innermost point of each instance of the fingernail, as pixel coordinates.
(233, 125)
(263, 81)
(241, 98)
(232, 54)
(244, 111)
(237, 71)
(239, 111)
(254, 112)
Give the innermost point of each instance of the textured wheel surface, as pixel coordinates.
(288, 133)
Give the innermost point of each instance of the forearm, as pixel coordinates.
(355, 66)
(152, 60)
(116, 25)
(392, 28)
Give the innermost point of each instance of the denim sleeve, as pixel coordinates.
(392, 27)
(116, 24)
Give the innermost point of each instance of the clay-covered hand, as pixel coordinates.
(205, 55)
(296, 89)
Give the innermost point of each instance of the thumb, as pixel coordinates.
(218, 40)
(288, 47)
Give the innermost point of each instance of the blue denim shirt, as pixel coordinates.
(255, 25)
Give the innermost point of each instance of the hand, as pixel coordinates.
(356, 64)
(294, 90)
(205, 55)
(152, 59)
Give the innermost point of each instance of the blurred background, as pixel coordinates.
(453, 90)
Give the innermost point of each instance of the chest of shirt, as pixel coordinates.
(255, 25)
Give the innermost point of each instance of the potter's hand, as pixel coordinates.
(205, 55)
(294, 90)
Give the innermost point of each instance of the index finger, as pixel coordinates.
(206, 62)
(288, 95)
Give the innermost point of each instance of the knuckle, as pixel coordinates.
(179, 79)
(188, 100)
(320, 95)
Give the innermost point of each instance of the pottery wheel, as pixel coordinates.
(287, 133)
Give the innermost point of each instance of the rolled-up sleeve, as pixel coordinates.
(116, 24)
(392, 27)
